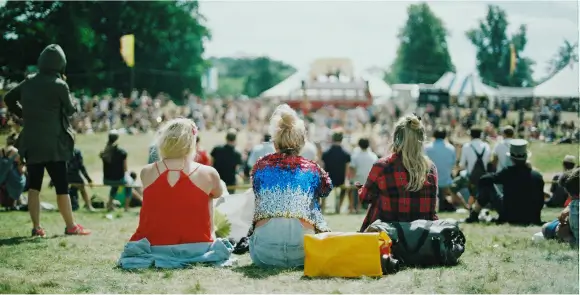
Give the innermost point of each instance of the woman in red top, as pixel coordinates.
(177, 191)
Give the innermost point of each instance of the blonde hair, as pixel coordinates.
(176, 139)
(288, 130)
(408, 141)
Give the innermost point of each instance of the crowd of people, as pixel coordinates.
(396, 173)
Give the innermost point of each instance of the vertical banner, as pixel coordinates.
(128, 49)
(513, 58)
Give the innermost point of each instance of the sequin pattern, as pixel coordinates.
(289, 186)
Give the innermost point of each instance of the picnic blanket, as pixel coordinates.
(141, 254)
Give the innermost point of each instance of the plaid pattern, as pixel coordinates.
(385, 190)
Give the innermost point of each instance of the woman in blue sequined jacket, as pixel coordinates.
(287, 188)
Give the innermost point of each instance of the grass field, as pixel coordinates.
(498, 259)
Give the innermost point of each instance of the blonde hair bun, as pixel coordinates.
(287, 129)
(414, 122)
(287, 121)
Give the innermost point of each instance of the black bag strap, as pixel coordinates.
(420, 242)
(478, 155)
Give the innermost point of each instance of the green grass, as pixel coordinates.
(498, 259)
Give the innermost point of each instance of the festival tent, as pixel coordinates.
(514, 93)
(291, 87)
(563, 84)
(463, 86)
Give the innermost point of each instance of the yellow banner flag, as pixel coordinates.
(128, 49)
(513, 58)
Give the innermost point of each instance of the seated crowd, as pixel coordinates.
(410, 183)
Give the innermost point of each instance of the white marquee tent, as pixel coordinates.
(464, 86)
(563, 84)
(291, 86)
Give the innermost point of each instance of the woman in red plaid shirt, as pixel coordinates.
(403, 185)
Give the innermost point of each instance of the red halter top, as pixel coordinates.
(177, 214)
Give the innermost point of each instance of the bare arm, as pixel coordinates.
(217, 190)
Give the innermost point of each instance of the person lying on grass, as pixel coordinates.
(565, 228)
(177, 207)
(287, 188)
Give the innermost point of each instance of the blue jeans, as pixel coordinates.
(279, 243)
(573, 217)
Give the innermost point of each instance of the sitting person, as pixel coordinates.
(523, 190)
(559, 195)
(12, 177)
(176, 220)
(565, 228)
(286, 188)
(402, 186)
(76, 168)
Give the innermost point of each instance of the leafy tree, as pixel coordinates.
(422, 56)
(249, 76)
(567, 53)
(168, 47)
(494, 54)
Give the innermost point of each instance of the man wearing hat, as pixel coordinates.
(523, 190)
(559, 194)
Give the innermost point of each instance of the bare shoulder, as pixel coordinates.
(208, 170)
(147, 174)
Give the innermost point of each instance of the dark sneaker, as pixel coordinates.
(473, 217)
(38, 232)
(77, 230)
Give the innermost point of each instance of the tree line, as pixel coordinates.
(169, 38)
(423, 54)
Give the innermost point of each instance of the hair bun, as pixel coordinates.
(287, 121)
(414, 122)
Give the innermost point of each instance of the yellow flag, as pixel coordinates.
(513, 58)
(128, 49)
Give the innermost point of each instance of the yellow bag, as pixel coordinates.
(347, 255)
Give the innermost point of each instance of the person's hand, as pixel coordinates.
(358, 185)
(563, 218)
(90, 184)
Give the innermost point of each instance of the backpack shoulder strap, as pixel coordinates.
(478, 155)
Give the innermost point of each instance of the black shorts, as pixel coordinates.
(57, 172)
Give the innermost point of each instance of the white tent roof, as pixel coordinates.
(464, 85)
(563, 84)
(291, 87)
(514, 92)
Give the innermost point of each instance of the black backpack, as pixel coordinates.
(478, 169)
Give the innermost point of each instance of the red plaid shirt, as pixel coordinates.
(385, 190)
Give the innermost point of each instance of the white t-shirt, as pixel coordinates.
(500, 150)
(468, 156)
(309, 151)
(362, 162)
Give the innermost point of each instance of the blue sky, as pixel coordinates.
(365, 31)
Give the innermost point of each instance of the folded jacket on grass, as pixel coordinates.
(141, 254)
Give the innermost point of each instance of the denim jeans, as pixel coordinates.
(279, 243)
(573, 217)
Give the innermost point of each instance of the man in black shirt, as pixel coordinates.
(336, 161)
(226, 160)
(523, 190)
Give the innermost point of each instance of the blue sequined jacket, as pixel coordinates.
(289, 186)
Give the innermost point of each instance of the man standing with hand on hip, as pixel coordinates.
(47, 141)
